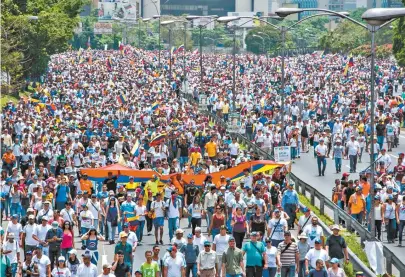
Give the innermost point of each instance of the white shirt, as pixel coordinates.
(313, 233)
(14, 247)
(172, 211)
(109, 275)
(61, 272)
(271, 256)
(141, 212)
(234, 149)
(277, 228)
(199, 242)
(353, 147)
(16, 229)
(67, 215)
(86, 218)
(29, 231)
(158, 208)
(221, 243)
(42, 263)
(314, 255)
(95, 210)
(87, 271)
(174, 265)
(40, 231)
(321, 149)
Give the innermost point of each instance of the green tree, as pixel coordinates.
(33, 42)
(399, 40)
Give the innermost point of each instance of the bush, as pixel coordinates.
(382, 51)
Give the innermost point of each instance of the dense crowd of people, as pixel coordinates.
(94, 107)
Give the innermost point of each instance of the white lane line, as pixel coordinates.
(401, 136)
(396, 157)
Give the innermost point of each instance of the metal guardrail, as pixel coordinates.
(302, 188)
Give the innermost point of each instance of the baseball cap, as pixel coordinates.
(86, 254)
(231, 239)
(11, 235)
(334, 261)
(287, 233)
(123, 234)
(61, 259)
(190, 236)
(73, 251)
(318, 241)
(55, 224)
(31, 216)
(179, 231)
(138, 272)
(207, 243)
(126, 225)
(276, 210)
(335, 227)
(253, 234)
(305, 209)
(39, 246)
(106, 266)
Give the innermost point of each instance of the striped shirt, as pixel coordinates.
(288, 256)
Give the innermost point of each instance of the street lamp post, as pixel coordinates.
(263, 45)
(234, 71)
(267, 52)
(282, 30)
(158, 17)
(376, 19)
(201, 26)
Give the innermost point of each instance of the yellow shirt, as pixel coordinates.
(49, 197)
(357, 202)
(225, 108)
(361, 128)
(195, 156)
(211, 148)
(131, 186)
(153, 186)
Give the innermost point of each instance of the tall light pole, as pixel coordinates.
(376, 19)
(211, 18)
(267, 52)
(282, 30)
(214, 41)
(158, 17)
(169, 23)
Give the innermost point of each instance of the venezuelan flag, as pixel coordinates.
(351, 61)
(156, 140)
(173, 50)
(181, 48)
(122, 99)
(136, 148)
(155, 106)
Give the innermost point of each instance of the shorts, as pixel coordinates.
(159, 221)
(390, 138)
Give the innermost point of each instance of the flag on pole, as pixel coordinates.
(195, 52)
(181, 48)
(88, 43)
(122, 99)
(351, 61)
(155, 106)
(135, 150)
(173, 50)
(156, 140)
(109, 63)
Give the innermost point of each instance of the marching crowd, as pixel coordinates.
(94, 107)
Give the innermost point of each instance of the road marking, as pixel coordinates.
(401, 136)
(393, 156)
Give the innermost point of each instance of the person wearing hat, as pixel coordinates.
(337, 154)
(60, 269)
(313, 255)
(15, 227)
(87, 269)
(357, 205)
(335, 270)
(28, 267)
(207, 261)
(45, 211)
(256, 257)
(27, 239)
(190, 252)
(232, 260)
(320, 151)
(353, 151)
(106, 271)
(54, 238)
(390, 217)
(11, 250)
(304, 219)
(42, 261)
(290, 204)
(125, 248)
(287, 256)
(179, 240)
(276, 228)
(303, 248)
(73, 262)
(174, 264)
(336, 246)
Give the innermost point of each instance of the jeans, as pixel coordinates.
(391, 228)
(15, 208)
(172, 226)
(95, 223)
(238, 239)
(210, 212)
(139, 230)
(290, 210)
(14, 268)
(228, 221)
(358, 217)
(293, 152)
(353, 162)
(288, 271)
(191, 268)
(321, 160)
(270, 272)
(338, 164)
(214, 232)
(84, 230)
(60, 205)
(101, 225)
(380, 141)
(275, 242)
(254, 271)
(301, 271)
(401, 229)
(65, 253)
(111, 231)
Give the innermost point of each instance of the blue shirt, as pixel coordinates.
(128, 207)
(289, 197)
(254, 255)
